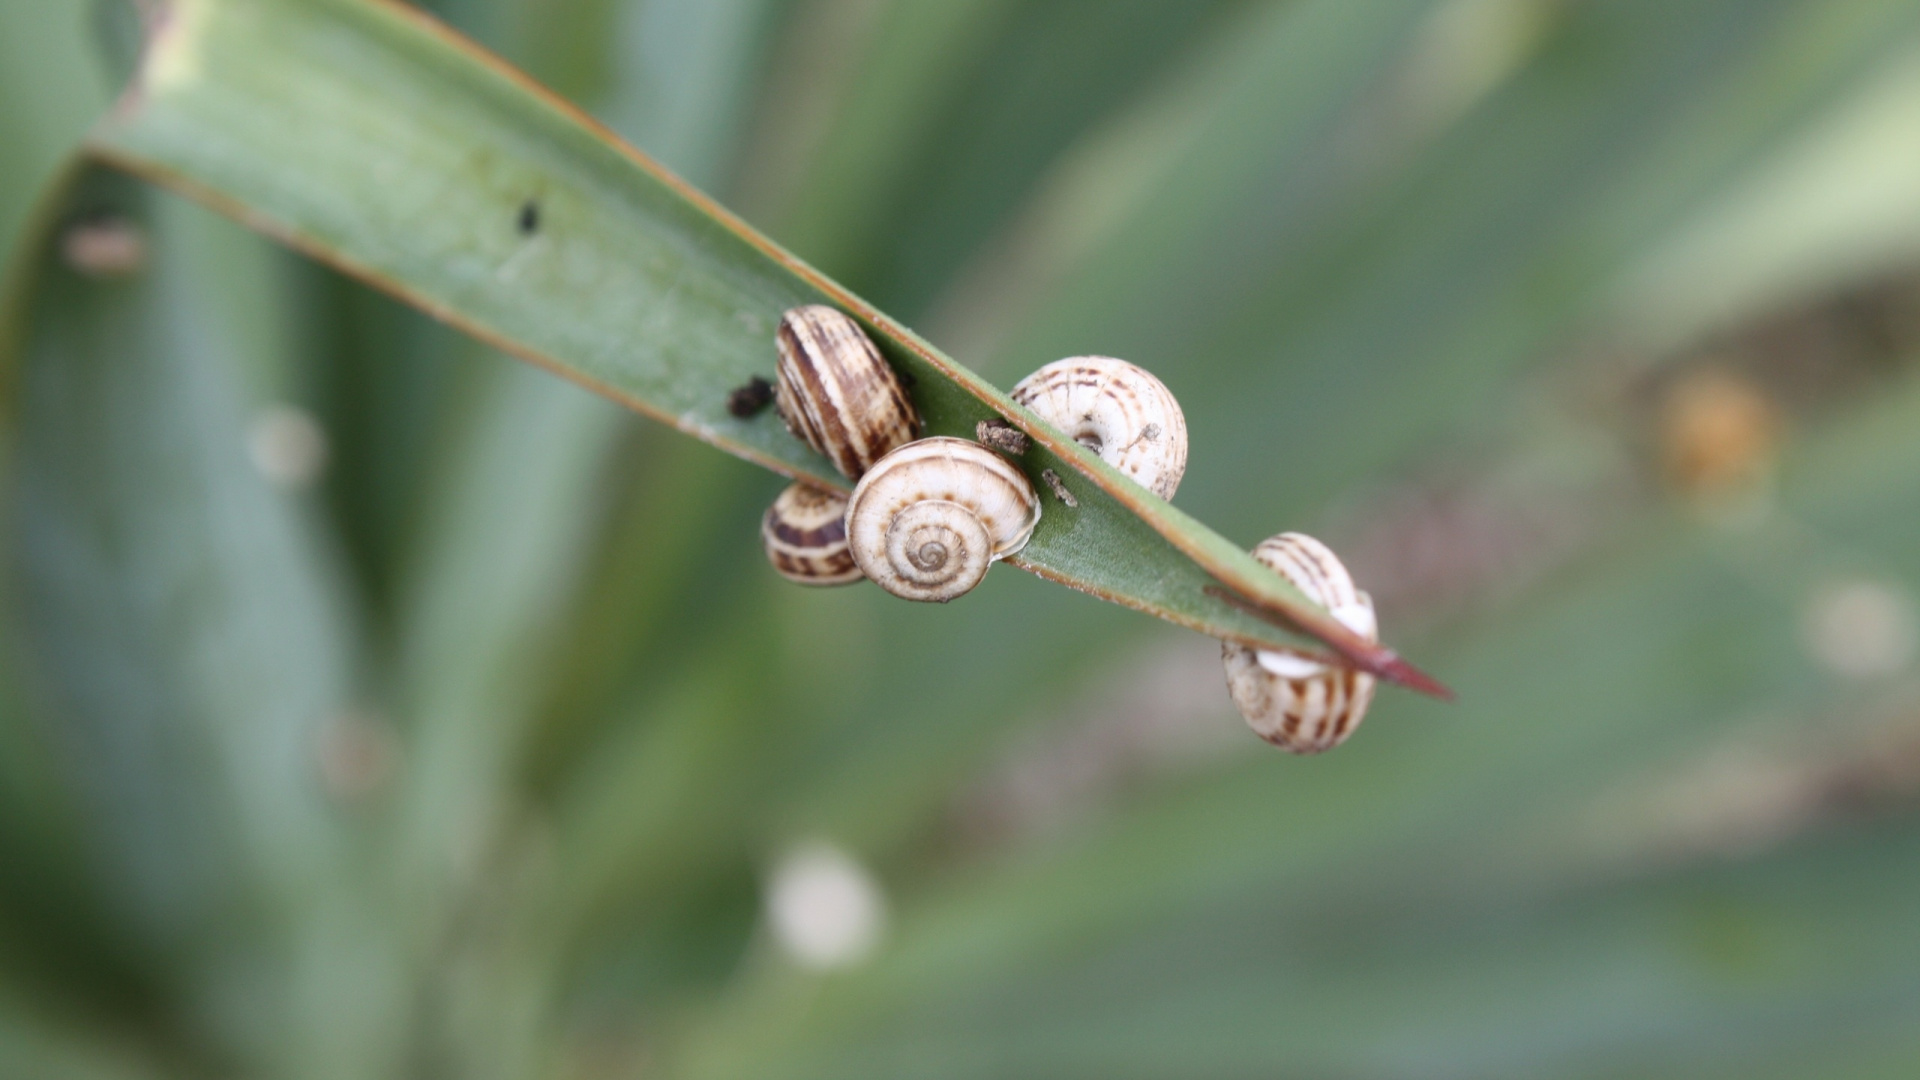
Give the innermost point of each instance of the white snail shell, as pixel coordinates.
(805, 534)
(929, 519)
(1290, 699)
(1116, 409)
(837, 393)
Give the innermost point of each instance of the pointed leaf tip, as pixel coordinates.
(1368, 656)
(1395, 670)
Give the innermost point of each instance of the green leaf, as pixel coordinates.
(943, 116)
(186, 634)
(1294, 883)
(32, 1043)
(1704, 966)
(514, 509)
(409, 158)
(53, 89)
(1327, 309)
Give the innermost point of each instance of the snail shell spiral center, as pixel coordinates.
(928, 519)
(938, 547)
(929, 556)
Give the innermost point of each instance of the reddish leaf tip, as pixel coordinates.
(1395, 670)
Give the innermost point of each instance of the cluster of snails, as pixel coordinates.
(929, 516)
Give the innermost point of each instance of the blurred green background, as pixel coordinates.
(374, 705)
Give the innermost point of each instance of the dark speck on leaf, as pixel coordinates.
(747, 400)
(529, 217)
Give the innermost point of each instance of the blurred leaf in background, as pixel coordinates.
(377, 705)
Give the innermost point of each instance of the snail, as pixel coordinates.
(1116, 409)
(838, 395)
(1292, 700)
(929, 518)
(805, 534)
(836, 392)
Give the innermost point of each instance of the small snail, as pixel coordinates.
(1116, 409)
(805, 534)
(1290, 699)
(929, 518)
(837, 393)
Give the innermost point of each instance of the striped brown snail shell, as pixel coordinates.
(1116, 409)
(805, 535)
(1290, 699)
(928, 519)
(837, 393)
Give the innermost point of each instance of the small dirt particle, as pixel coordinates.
(747, 400)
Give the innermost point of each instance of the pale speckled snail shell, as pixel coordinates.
(805, 535)
(928, 519)
(1116, 409)
(837, 393)
(1290, 699)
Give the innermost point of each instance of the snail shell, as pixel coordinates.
(837, 393)
(805, 534)
(929, 519)
(1290, 699)
(1116, 409)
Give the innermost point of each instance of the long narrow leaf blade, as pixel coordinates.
(374, 139)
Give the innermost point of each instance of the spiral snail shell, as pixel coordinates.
(928, 519)
(1116, 409)
(836, 392)
(1292, 700)
(805, 534)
